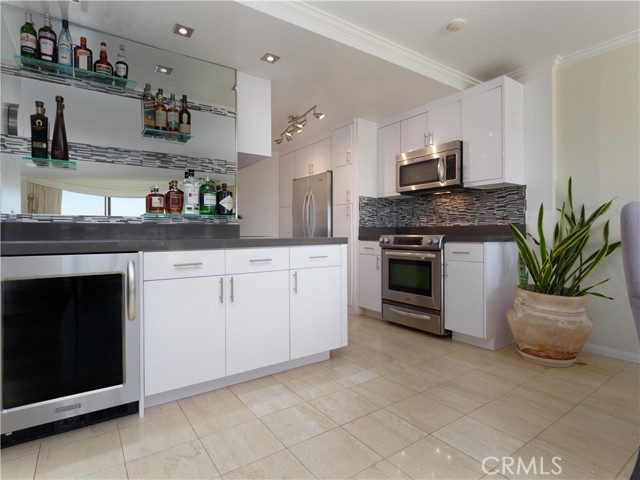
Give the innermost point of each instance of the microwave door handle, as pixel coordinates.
(441, 170)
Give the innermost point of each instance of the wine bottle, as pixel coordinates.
(184, 117)
(82, 58)
(161, 112)
(122, 67)
(65, 49)
(39, 134)
(59, 146)
(28, 38)
(47, 40)
(103, 66)
(148, 108)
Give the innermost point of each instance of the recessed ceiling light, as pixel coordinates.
(270, 58)
(182, 30)
(163, 69)
(455, 25)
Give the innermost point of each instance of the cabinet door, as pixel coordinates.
(341, 179)
(445, 123)
(257, 320)
(287, 174)
(286, 222)
(313, 159)
(184, 333)
(342, 228)
(316, 320)
(388, 149)
(412, 132)
(370, 280)
(482, 135)
(464, 298)
(341, 146)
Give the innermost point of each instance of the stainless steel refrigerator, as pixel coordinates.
(312, 206)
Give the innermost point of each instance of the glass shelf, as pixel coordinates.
(185, 215)
(71, 73)
(164, 135)
(48, 163)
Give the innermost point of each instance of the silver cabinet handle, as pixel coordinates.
(377, 263)
(367, 248)
(295, 282)
(221, 297)
(348, 211)
(348, 196)
(318, 256)
(131, 290)
(410, 315)
(348, 156)
(187, 265)
(462, 253)
(231, 289)
(258, 260)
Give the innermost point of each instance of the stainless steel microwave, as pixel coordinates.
(429, 168)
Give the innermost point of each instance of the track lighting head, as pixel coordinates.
(296, 123)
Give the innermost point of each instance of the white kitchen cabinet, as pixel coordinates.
(388, 149)
(184, 319)
(342, 141)
(315, 300)
(313, 159)
(253, 117)
(445, 123)
(412, 133)
(342, 185)
(478, 288)
(286, 222)
(257, 308)
(370, 277)
(492, 131)
(287, 167)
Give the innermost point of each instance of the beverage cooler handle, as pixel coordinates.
(131, 290)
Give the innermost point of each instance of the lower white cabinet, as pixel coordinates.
(370, 283)
(478, 288)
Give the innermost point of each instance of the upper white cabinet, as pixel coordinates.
(342, 142)
(492, 131)
(287, 167)
(313, 159)
(388, 148)
(253, 116)
(445, 123)
(413, 132)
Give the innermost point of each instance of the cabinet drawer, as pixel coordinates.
(464, 252)
(183, 264)
(314, 256)
(370, 248)
(247, 260)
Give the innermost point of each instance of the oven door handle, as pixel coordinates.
(419, 256)
(131, 290)
(411, 315)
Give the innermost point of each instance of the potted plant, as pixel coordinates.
(548, 318)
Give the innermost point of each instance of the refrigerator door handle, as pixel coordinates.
(304, 214)
(312, 215)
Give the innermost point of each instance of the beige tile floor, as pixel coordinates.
(395, 403)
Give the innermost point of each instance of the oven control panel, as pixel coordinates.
(412, 242)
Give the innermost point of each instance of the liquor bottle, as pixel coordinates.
(82, 58)
(103, 66)
(208, 197)
(28, 38)
(122, 68)
(39, 134)
(155, 200)
(224, 200)
(160, 112)
(191, 195)
(65, 49)
(47, 40)
(184, 117)
(59, 146)
(174, 198)
(172, 115)
(148, 108)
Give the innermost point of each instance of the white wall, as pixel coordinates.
(257, 198)
(598, 145)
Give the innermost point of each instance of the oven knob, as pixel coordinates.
(436, 241)
(430, 241)
(386, 240)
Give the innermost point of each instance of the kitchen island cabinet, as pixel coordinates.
(370, 286)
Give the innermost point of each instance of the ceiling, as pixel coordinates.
(365, 59)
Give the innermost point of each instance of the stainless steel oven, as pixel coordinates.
(412, 281)
(70, 342)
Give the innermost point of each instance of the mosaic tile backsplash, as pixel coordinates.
(462, 207)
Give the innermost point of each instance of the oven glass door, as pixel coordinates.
(413, 278)
(61, 336)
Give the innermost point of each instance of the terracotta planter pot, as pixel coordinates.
(549, 329)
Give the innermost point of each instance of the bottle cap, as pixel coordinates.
(184, 98)
(39, 104)
(83, 40)
(59, 99)
(65, 23)
(154, 188)
(147, 85)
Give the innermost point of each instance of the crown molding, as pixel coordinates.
(535, 69)
(320, 22)
(581, 55)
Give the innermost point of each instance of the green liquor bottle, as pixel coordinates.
(28, 38)
(208, 204)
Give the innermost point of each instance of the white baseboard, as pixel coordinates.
(612, 352)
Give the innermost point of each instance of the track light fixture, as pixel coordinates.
(296, 123)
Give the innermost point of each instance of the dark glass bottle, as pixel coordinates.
(122, 68)
(82, 58)
(161, 112)
(172, 115)
(28, 38)
(148, 108)
(47, 41)
(224, 199)
(102, 65)
(39, 134)
(184, 117)
(59, 146)
(174, 198)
